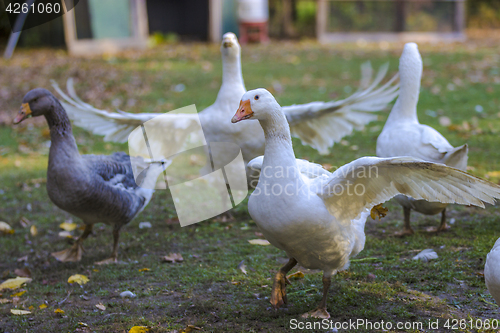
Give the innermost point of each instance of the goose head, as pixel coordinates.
(230, 46)
(257, 104)
(410, 68)
(36, 102)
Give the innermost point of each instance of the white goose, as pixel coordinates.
(318, 217)
(318, 124)
(492, 271)
(403, 135)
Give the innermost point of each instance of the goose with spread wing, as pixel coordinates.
(403, 135)
(95, 188)
(318, 124)
(318, 217)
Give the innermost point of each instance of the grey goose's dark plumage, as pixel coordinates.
(95, 188)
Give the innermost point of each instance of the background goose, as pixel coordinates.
(318, 124)
(403, 135)
(492, 271)
(95, 188)
(318, 217)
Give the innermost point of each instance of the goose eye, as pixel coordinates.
(256, 97)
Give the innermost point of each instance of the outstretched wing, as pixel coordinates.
(321, 124)
(115, 126)
(369, 181)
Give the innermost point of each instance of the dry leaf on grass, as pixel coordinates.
(236, 283)
(20, 293)
(25, 258)
(139, 329)
(378, 211)
(426, 255)
(5, 228)
(100, 306)
(14, 283)
(42, 306)
(23, 272)
(33, 230)
(190, 328)
(172, 257)
(144, 269)
(66, 234)
(24, 222)
(59, 311)
(78, 278)
(68, 226)
(4, 300)
(296, 275)
(263, 242)
(19, 312)
(242, 267)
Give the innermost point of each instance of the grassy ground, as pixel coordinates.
(207, 290)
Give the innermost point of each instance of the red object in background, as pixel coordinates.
(255, 32)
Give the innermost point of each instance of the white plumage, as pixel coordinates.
(318, 124)
(492, 271)
(403, 135)
(318, 217)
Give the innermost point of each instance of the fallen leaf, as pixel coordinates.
(100, 306)
(78, 278)
(144, 269)
(59, 311)
(426, 255)
(65, 234)
(378, 211)
(127, 293)
(31, 307)
(139, 329)
(42, 306)
(190, 328)
(236, 283)
(25, 258)
(242, 267)
(23, 272)
(296, 275)
(22, 292)
(68, 226)
(19, 312)
(145, 225)
(4, 300)
(33, 230)
(24, 222)
(173, 257)
(259, 234)
(263, 242)
(83, 324)
(14, 283)
(5, 228)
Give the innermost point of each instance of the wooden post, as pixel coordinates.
(400, 16)
(459, 16)
(321, 18)
(215, 20)
(288, 29)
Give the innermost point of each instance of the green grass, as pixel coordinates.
(207, 289)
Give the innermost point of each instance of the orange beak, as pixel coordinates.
(23, 113)
(244, 112)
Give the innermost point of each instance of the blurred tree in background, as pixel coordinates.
(483, 14)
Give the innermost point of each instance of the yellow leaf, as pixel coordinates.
(18, 294)
(78, 278)
(236, 283)
(296, 275)
(68, 226)
(259, 242)
(139, 329)
(31, 307)
(190, 328)
(144, 270)
(59, 311)
(33, 230)
(378, 211)
(14, 283)
(100, 306)
(19, 312)
(42, 306)
(5, 228)
(83, 324)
